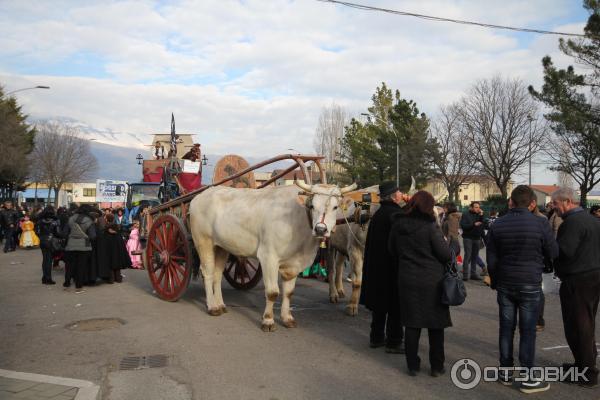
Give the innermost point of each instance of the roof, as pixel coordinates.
(546, 189)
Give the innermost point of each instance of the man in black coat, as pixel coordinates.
(578, 267)
(517, 245)
(472, 226)
(10, 222)
(379, 282)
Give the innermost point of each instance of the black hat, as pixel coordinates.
(387, 188)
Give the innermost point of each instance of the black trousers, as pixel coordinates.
(46, 263)
(80, 262)
(579, 295)
(386, 326)
(436, 348)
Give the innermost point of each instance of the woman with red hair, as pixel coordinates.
(421, 253)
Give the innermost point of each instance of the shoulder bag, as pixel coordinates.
(454, 292)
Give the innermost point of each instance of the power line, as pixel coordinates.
(456, 21)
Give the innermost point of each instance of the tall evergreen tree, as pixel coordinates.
(573, 99)
(369, 150)
(16, 137)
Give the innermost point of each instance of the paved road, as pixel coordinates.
(229, 357)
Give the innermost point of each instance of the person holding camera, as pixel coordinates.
(517, 245)
(472, 226)
(81, 232)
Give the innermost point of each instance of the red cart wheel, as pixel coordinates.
(168, 257)
(242, 273)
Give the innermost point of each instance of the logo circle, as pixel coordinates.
(465, 374)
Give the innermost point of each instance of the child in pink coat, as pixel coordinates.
(133, 244)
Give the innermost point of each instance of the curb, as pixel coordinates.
(86, 389)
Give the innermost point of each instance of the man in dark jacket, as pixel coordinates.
(379, 282)
(472, 226)
(516, 246)
(10, 222)
(578, 267)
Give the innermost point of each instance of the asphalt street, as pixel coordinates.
(46, 330)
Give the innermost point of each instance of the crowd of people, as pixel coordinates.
(409, 249)
(94, 245)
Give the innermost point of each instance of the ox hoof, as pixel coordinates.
(223, 309)
(215, 312)
(268, 327)
(290, 324)
(333, 299)
(352, 310)
(341, 294)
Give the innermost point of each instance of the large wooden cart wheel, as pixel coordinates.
(169, 257)
(242, 273)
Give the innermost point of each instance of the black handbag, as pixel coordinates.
(56, 244)
(454, 291)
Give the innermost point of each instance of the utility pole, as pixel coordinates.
(530, 119)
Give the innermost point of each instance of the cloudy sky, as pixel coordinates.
(252, 76)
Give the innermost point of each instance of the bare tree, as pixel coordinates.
(498, 116)
(327, 141)
(578, 157)
(455, 159)
(62, 156)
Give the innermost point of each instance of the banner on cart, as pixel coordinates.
(111, 191)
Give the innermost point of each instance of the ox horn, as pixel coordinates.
(439, 197)
(413, 185)
(302, 185)
(349, 188)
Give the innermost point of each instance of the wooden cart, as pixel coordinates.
(170, 257)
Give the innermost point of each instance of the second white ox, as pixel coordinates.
(280, 226)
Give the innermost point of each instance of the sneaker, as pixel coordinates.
(539, 328)
(533, 386)
(505, 377)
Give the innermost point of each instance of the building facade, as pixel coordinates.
(475, 188)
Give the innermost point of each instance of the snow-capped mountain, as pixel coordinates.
(116, 152)
(101, 135)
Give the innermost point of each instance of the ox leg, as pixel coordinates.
(288, 285)
(269, 269)
(339, 274)
(220, 260)
(331, 270)
(207, 255)
(356, 259)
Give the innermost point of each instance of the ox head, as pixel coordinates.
(321, 203)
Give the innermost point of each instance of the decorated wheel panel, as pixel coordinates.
(169, 258)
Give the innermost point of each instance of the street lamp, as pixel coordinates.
(29, 88)
(530, 119)
(397, 145)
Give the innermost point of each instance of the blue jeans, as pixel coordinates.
(525, 299)
(470, 259)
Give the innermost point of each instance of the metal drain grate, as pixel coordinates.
(142, 362)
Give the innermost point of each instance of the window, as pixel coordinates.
(89, 192)
(466, 197)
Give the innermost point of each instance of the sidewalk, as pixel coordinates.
(26, 386)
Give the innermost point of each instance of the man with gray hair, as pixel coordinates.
(578, 267)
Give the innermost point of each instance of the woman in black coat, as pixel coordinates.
(421, 252)
(46, 228)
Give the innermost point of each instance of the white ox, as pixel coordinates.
(279, 226)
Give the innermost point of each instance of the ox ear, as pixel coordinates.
(346, 202)
(302, 199)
